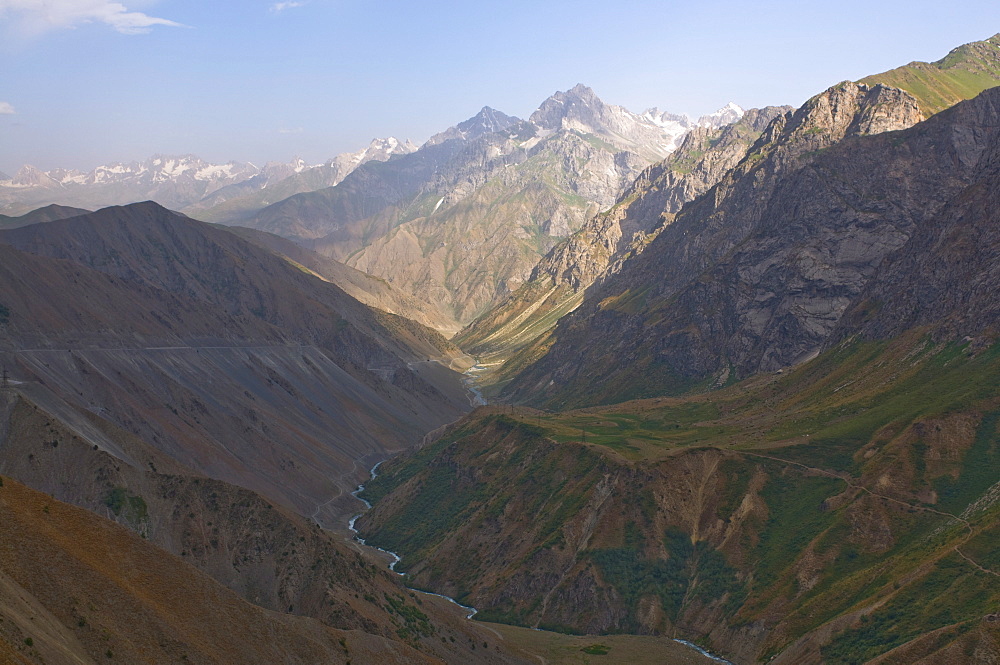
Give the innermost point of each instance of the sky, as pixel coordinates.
(90, 82)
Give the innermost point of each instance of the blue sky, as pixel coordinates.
(85, 82)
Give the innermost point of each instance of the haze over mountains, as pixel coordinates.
(745, 372)
(186, 181)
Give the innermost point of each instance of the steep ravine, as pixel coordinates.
(471, 612)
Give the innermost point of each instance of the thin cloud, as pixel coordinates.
(34, 17)
(292, 130)
(6, 109)
(282, 6)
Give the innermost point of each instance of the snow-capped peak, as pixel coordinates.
(727, 115)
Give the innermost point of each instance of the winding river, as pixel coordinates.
(471, 611)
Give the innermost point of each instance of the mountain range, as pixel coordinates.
(461, 221)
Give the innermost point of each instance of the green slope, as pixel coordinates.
(962, 74)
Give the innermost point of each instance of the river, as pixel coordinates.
(471, 611)
(477, 398)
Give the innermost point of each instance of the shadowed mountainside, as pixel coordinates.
(49, 213)
(219, 353)
(558, 281)
(372, 291)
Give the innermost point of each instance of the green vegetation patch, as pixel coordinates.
(952, 593)
(596, 650)
(695, 569)
(962, 74)
(130, 507)
(796, 515)
(980, 468)
(414, 622)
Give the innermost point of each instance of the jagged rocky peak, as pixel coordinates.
(664, 118)
(380, 150)
(654, 134)
(29, 176)
(487, 121)
(577, 108)
(389, 145)
(856, 109)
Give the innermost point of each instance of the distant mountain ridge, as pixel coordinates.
(175, 182)
(47, 214)
(275, 182)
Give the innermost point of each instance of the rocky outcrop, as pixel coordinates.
(756, 274)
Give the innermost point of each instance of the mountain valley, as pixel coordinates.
(742, 373)
(782, 493)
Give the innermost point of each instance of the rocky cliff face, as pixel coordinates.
(556, 283)
(461, 221)
(525, 318)
(946, 277)
(756, 274)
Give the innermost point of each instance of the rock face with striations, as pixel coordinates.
(756, 274)
(557, 282)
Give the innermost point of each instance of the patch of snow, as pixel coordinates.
(214, 172)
